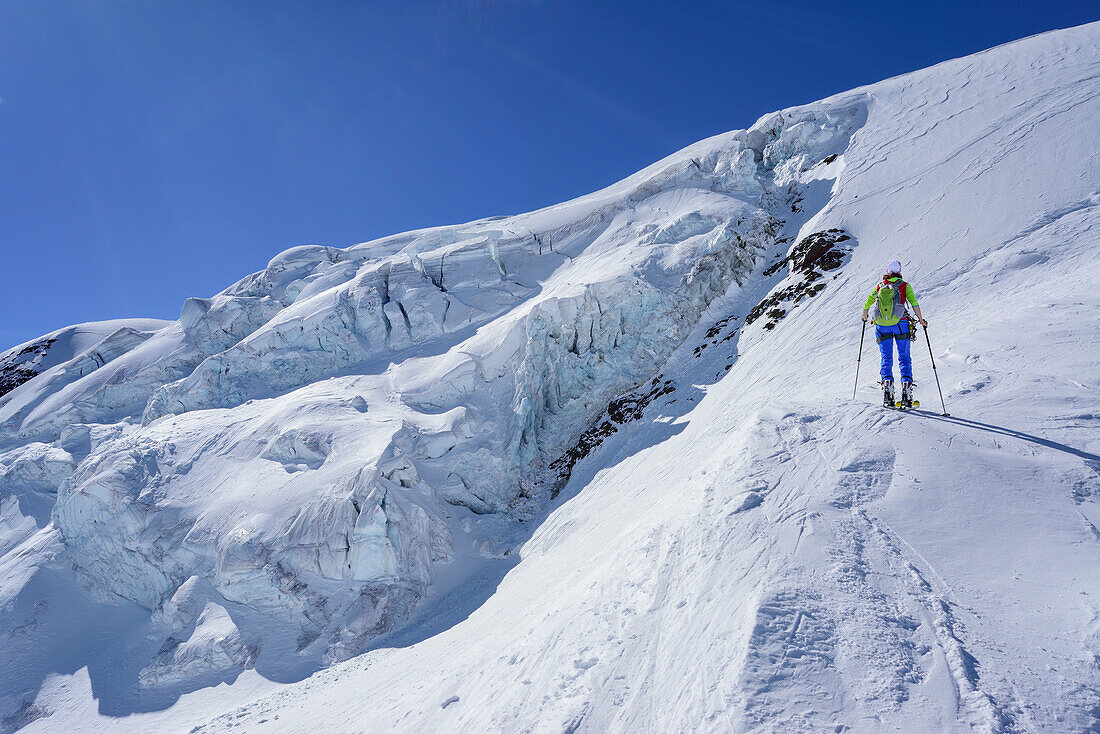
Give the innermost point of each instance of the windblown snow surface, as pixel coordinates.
(598, 467)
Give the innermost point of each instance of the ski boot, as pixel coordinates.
(906, 401)
(888, 393)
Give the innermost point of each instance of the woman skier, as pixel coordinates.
(894, 324)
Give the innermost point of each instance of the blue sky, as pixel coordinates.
(155, 150)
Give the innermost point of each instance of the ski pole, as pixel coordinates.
(860, 357)
(937, 374)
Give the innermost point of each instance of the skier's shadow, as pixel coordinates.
(1092, 459)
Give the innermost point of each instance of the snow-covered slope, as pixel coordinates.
(597, 467)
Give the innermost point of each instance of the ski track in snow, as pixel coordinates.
(547, 475)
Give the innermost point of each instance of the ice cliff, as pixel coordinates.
(306, 442)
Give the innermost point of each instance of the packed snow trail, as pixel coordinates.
(738, 545)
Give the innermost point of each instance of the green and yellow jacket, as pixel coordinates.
(891, 311)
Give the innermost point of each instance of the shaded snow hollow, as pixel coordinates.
(596, 467)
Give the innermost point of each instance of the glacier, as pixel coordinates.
(595, 467)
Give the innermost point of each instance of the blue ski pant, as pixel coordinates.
(886, 348)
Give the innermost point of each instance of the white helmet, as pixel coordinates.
(893, 268)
